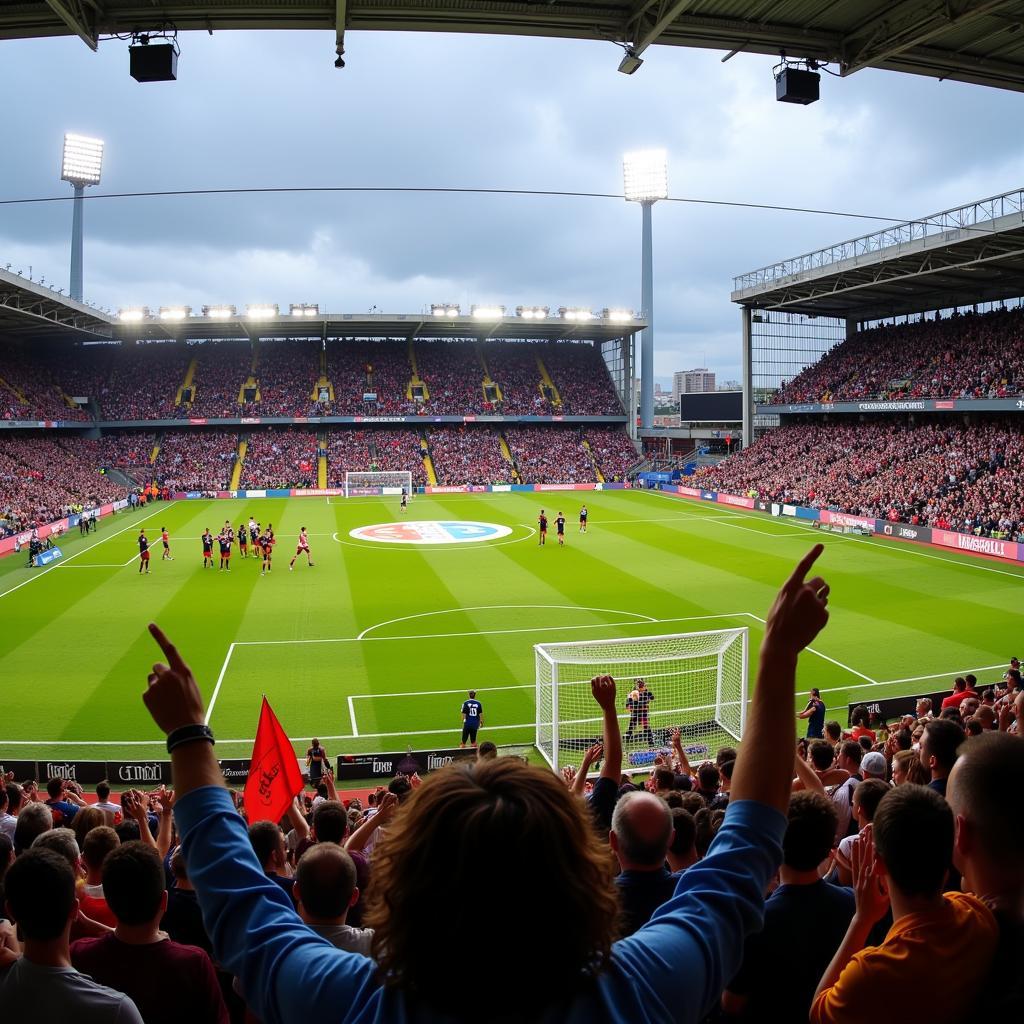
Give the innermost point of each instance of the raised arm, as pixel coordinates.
(806, 776)
(579, 782)
(692, 946)
(603, 689)
(356, 842)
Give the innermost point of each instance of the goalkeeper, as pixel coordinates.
(638, 703)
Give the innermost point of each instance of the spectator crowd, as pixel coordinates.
(783, 879)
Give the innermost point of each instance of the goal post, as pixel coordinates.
(378, 484)
(694, 682)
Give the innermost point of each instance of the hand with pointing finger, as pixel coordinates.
(800, 610)
(173, 697)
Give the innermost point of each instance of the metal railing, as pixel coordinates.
(968, 217)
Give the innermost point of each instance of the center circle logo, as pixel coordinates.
(430, 531)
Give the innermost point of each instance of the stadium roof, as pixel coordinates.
(29, 310)
(978, 41)
(959, 257)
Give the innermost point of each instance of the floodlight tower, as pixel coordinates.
(645, 181)
(80, 167)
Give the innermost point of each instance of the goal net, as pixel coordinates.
(375, 484)
(694, 682)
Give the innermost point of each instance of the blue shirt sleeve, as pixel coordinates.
(256, 934)
(693, 945)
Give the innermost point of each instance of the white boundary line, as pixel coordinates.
(352, 718)
(220, 679)
(499, 607)
(61, 565)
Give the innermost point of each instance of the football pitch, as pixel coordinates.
(374, 648)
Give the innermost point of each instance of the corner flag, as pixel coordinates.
(274, 777)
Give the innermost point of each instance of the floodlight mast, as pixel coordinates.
(645, 181)
(81, 166)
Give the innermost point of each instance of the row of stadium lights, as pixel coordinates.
(269, 312)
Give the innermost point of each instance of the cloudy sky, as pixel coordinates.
(269, 109)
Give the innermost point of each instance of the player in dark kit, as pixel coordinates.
(267, 543)
(225, 540)
(207, 549)
(302, 548)
(583, 519)
(638, 705)
(166, 538)
(542, 527)
(143, 552)
(243, 541)
(254, 536)
(472, 718)
(405, 500)
(560, 529)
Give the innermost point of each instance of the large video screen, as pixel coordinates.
(711, 407)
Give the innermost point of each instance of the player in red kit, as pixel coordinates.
(225, 541)
(166, 538)
(542, 527)
(303, 547)
(267, 542)
(207, 549)
(143, 552)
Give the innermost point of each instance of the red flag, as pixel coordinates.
(274, 777)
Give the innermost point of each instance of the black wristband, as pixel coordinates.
(189, 734)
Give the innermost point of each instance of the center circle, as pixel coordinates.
(431, 531)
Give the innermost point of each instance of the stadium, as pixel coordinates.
(328, 630)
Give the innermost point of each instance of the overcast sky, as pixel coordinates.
(265, 109)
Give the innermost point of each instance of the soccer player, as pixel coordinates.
(225, 541)
(542, 528)
(405, 500)
(814, 713)
(166, 538)
(143, 552)
(267, 542)
(472, 718)
(317, 763)
(560, 529)
(207, 549)
(638, 704)
(583, 519)
(243, 541)
(254, 534)
(303, 547)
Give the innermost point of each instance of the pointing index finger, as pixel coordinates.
(805, 563)
(170, 651)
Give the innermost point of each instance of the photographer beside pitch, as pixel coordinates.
(534, 857)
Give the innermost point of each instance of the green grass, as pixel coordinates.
(74, 651)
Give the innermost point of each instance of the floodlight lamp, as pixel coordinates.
(219, 312)
(487, 312)
(82, 161)
(618, 316)
(532, 312)
(645, 175)
(303, 309)
(175, 312)
(133, 314)
(444, 309)
(575, 313)
(261, 311)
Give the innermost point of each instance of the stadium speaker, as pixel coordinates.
(794, 85)
(150, 62)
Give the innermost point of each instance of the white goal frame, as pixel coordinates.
(607, 658)
(362, 484)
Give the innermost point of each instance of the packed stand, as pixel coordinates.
(221, 370)
(32, 391)
(280, 459)
(193, 460)
(348, 451)
(286, 373)
(128, 382)
(398, 451)
(613, 450)
(581, 376)
(129, 452)
(359, 367)
(852, 863)
(43, 480)
(453, 376)
(468, 455)
(549, 456)
(973, 355)
(513, 367)
(966, 478)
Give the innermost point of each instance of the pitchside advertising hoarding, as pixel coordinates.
(387, 766)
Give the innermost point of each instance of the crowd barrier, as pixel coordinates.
(338, 492)
(991, 547)
(17, 541)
